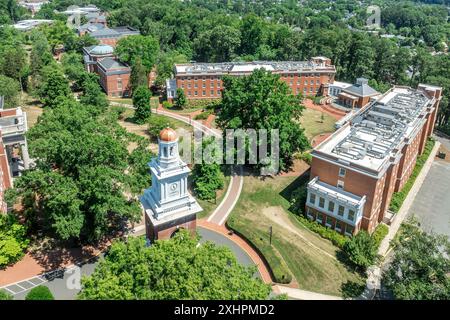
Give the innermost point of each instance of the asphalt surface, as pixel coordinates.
(431, 205)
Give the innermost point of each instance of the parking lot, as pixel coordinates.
(431, 205)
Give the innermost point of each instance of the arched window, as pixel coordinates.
(171, 151)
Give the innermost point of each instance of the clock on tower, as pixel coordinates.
(167, 203)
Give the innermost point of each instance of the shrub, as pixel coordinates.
(361, 250)
(307, 157)
(12, 240)
(156, 124)
(336, 238)
(203, 116)
(399, 197)
(298, 199)
(380, 232)
(119, 110)
(167, 105)
(40, 293)
(5, 295)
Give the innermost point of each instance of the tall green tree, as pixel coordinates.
(13, 240)
(219, 44)
(172, 269)
(81, 161)
(262, 101)
(14, 64)
(141, 103)
(253, 31)
(10, 90)
(208, 177)
(420, 267)
(138, 75)
(129, 49)
(54, 87)
(180, 100)
(361, 250)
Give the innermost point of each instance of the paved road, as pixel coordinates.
(431, 205)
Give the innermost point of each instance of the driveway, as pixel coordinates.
(431, 205)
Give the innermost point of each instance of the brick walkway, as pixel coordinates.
(328, 109)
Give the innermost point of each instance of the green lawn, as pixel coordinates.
(313, 124)
(295, 250)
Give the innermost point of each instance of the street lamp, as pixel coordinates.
(270, 235)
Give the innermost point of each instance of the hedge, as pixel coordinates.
(399, 197)
(336, 238)
(380, 232)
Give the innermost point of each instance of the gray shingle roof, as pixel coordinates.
(111, 63)
(361, 90)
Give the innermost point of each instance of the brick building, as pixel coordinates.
(357, 169)
(105, 35)
(203, 80)
(114, 77)
(5, 174)
(357, 95)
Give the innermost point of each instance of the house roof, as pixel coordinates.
(361, 90)
(111, 63)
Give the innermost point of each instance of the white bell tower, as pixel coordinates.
(167, 203)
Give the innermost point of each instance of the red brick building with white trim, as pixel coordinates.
(204, 80)
(355, 171)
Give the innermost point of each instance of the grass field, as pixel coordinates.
(312, 123)
(295, 250)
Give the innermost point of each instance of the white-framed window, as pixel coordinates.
(321, 202)
(195, 93)
(119, 84)
(340, 184)
(312, 198)
(203, 93)
(338, 226)
(351, 215)
(331, 206)
(341, 210)
(212, 92)
(218, 92)
(319, 218)
(342, 172)
(328, 221)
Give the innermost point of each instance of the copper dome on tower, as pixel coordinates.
(168, 135)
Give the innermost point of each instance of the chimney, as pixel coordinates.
(361, 81)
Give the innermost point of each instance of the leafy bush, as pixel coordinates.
(380, 232)
(119, 110)
(156, 124)
(298, 199)
(306, 156)
(12, 240)
(361, 250)
(5, 295)
(40, 293)
(336, 238)
(399, 197)
(167, 105)
(203, 116)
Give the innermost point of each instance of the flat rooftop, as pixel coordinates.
(245, 67)
(376, 131)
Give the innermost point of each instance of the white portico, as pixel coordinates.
(167, 203)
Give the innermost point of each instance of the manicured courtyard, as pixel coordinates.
(315, 122)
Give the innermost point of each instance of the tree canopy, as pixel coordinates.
(421, 265)
(130, 48)
(171, 269)
(262, 101)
